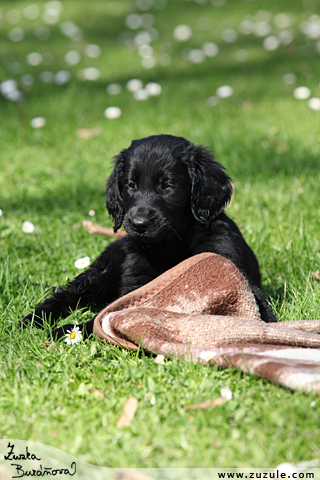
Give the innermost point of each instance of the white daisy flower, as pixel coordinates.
(159, 359)
(112, 113)
(1, 212)
(38, 122)
(27, 227)
(301, 93)
(207, 355)
(150, 398)
(82, 262)
(75, 336)
(225, 394)
(92, 213)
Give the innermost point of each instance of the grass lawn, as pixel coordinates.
(269, 141)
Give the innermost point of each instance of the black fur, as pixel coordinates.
(170, 196)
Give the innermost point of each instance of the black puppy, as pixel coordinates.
(170, 196)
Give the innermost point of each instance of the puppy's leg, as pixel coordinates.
(99, 285)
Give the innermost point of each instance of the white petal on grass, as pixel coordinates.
(154, 89)
(27, 227)
(150, 398)
(82, 262)
(134, 21)
(247, 27)
(143, 38)
(229, 35)
(134, 85)
(207, 355)
(8, 86)
(196, 55)
(9, 90)
(55, 5)
(282, 20)
(271, 43)
(286, 37)
(262, 29)
(182, 33)
(42, 33)
(289, 78)
(34, 59)
(112, 113)
(314, 103)
(141, 95)
(159, 359)
(38, 122)
(1, 212)
(285, 470)
(224, 92)
(301, 93)
(92, 50)
(90, 73)
(114, 89)
(13, 16)
(46, 77)
(70, 29)
(72, 57)
(210, 49)
(91, 213)
(144, 4)
(226, 394)
(212, 101)
(74, 336)
(27, 80)
(16, 34)
(62, 77)
(145, 50)
(148, 62)
(31, 11)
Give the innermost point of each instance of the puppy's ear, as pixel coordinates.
(211, 189)
(114, 191)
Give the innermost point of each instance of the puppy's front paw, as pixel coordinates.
(32, 319)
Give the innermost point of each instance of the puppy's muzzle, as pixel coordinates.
(140, 219)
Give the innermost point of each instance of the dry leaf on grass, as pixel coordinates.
(92, 228)
(95, 391)
(202, 406)
(88, 132)
(128, 412)
(316, 274)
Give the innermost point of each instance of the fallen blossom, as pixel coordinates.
(82, 262)
(150, 398)
(74, 336)
(207, 355)
(226, 394)
(159, 359)
(27, 227)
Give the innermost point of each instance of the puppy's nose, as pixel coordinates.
(140, 224)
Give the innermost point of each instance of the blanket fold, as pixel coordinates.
(204, 304)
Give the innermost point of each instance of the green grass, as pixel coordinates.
(269, 143)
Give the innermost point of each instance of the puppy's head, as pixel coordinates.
(161, 184)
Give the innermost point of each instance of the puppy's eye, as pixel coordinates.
(165, 186)
(132, 185)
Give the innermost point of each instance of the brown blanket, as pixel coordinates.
(204, 308)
